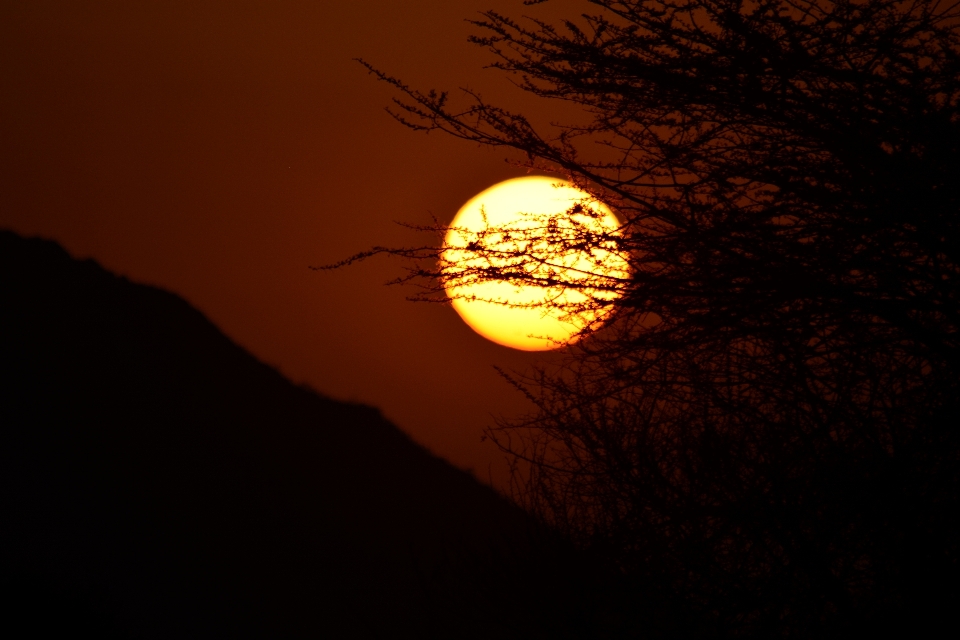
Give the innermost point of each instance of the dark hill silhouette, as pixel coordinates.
(160, 482)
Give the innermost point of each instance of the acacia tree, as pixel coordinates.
(762, 427)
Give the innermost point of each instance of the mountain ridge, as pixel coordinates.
(162, 476)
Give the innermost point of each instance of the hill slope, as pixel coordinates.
(158, 481)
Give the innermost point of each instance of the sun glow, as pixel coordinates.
(528, 228)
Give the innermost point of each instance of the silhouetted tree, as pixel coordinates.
(761, 432)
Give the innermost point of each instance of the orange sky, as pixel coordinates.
(219, 148)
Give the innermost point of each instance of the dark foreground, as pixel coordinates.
(160, 482)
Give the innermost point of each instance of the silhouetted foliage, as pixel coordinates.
(762, 432)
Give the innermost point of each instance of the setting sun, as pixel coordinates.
(524, 228)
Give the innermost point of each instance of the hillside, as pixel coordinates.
(160, 482)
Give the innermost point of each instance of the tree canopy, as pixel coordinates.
(762, 429)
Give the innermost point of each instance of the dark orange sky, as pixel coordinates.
(219, 148)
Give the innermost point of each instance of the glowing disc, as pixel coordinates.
(516, 224)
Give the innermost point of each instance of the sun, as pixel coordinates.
(525, 227)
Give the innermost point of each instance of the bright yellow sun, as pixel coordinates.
(520, 224)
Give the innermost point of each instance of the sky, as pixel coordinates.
(219, 148)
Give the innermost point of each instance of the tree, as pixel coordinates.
(761, 430)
